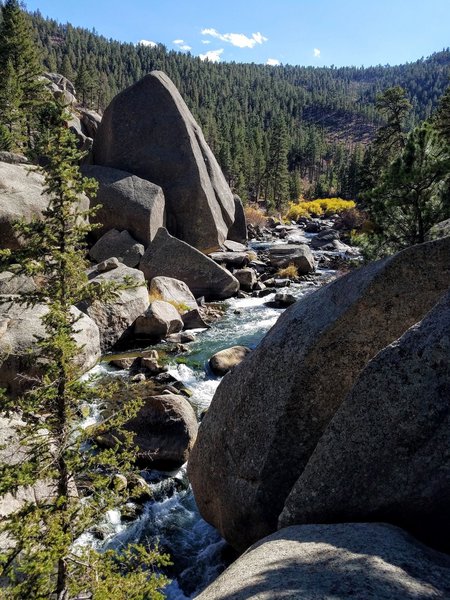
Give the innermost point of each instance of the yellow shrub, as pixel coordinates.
(319, 207)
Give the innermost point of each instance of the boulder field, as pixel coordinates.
(270, 412)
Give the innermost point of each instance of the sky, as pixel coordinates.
(296, 32)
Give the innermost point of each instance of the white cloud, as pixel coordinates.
(206, 41)
(178, 42)
(316, 52)
(185, 47)
(237, 39)
(147, 43)
(273, 62)
(212, 55)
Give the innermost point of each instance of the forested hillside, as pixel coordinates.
(252, 115)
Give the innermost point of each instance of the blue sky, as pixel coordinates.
(303, 32)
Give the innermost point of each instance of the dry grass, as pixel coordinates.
(255, 216)
(289, 272)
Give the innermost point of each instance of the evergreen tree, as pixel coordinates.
(44, 563)
(412, 194)
(277, 176)
(20, 70)
(442, 116)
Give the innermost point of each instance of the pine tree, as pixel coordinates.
(412, 194)
(19, 61)
(277, 177)
(44, 562)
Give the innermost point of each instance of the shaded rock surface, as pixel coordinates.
(148, 130)
(20, 328)
(115, 318)
(269, 413)
(225, 360)
(128, 202)
(238, 230)
(169, 257)
(11, 284)
(439, 230)
(165, 430)
(338, 562)
(118, 244)
(385, 456)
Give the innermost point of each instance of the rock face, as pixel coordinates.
(11, 284)
(269, 413)
(314, 562)
(439, 230)
(118, 244)
(20, 198)
(385, 456)
(115, 318)
(128, 202)
(289, 254)
(170, 257)
(238, 231)
(165, 430)
(19, 329)
(173, 290)
(224, 361)
(149, 131)
(159, 320)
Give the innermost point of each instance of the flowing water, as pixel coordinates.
(198, 552)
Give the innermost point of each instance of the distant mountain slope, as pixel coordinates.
(324, 109)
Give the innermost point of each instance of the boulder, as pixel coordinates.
(335, 562)
(118, 244)
(159, 320)
(194, 320)
(127, 202)
(173, 291)
(20, 329)
(149, 131)
(90, 121)
(12, 284)
(268, 415)
(386, 453)
(235, 260)
(21, 198)
(324, 238)
(234, 246)
(439, 230)
(289, 254)
(247, 278)
(165, 429)
(12, 158)
(169, 257)
(224, 361)
(238, 230)
(116, 317)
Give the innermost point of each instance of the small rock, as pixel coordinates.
(224, 361)
(108, 265)
(246, 278)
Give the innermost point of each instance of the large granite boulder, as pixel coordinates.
(169, 257)
(149, 131)
(127, 202)
(335, 562)
(385, 456)
(118, 244)
(174, 291)
(20, 329)
(439, 230)
(269, 413)
(165, 429)
(116, 317)
(20, 198)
